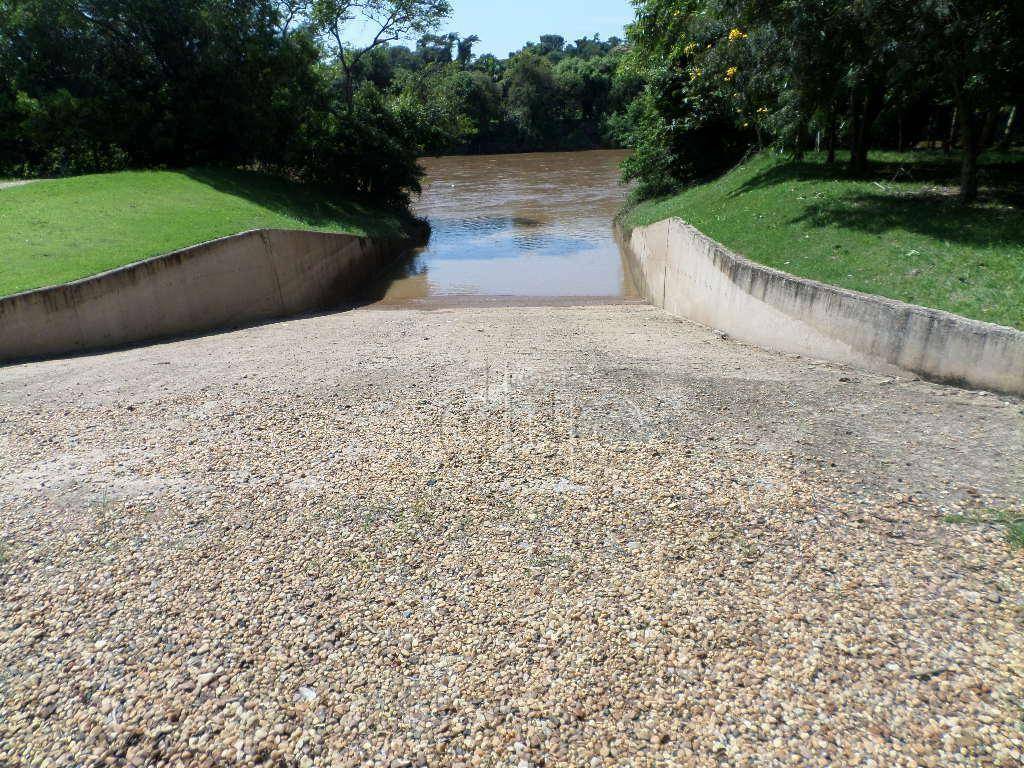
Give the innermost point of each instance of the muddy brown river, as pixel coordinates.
(516, 227)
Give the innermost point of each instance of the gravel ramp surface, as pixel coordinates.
(526, 536)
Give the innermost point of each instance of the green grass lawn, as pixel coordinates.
(55, 231)
(899, 233)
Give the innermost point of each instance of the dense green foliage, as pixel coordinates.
(63, 229)
(727, 75)
(548, 95)
(95, 85)
(898, 232)
(277, 85)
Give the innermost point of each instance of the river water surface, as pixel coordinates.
(517, 227)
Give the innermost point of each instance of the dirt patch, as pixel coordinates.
(5, 183)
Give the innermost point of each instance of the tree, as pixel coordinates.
(366, 150)
(465, 55)
(589, 46)
(99, 84)
(551, 44)
(585, 86)
(436, 49)
(491, 65)
(974, 46)
(530, 93)
(702, 100)
(446, 106)
(387, 20)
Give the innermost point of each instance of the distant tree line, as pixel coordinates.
(549, 95)
(727, 75)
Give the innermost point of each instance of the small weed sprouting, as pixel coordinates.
(1013, 520)
(1015, 533)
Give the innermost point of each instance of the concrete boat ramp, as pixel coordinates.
(533, 535)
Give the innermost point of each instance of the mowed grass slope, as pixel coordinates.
(899, 233)
(60, 230)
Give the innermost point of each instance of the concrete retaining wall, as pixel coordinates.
(228, 282)
(690, 275)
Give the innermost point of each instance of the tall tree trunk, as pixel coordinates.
(970, 130)
(866, 110)
(801, 140)
(988, 131)
(930, 129)
(858, 155)
(969, 170)
(947, 146)
(830, 141)
(346, 68)
(1004, 142)
(350, 94)
(860, 132)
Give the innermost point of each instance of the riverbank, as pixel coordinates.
(60, 230)
(575, 536)
(899, 234)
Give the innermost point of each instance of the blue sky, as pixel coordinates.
(505, 25)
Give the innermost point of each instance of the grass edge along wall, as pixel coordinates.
(233, 281)
(688, 274)
(60, 230)
(899, 233)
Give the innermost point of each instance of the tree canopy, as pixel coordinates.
(327, 91)
(317, 90)
(746, 73)
(547, 95)
(93, 85)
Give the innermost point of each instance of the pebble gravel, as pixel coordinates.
(486, 536)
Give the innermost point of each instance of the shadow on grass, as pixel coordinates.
(1001, 176)
(317, 206)
(931, 215)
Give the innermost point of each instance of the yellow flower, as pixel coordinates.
(762, 110)
(730, 73)
(735, 34)
(697, 72)
(690, 49)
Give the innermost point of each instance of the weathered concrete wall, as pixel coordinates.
(232, 281)
(690, 275)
